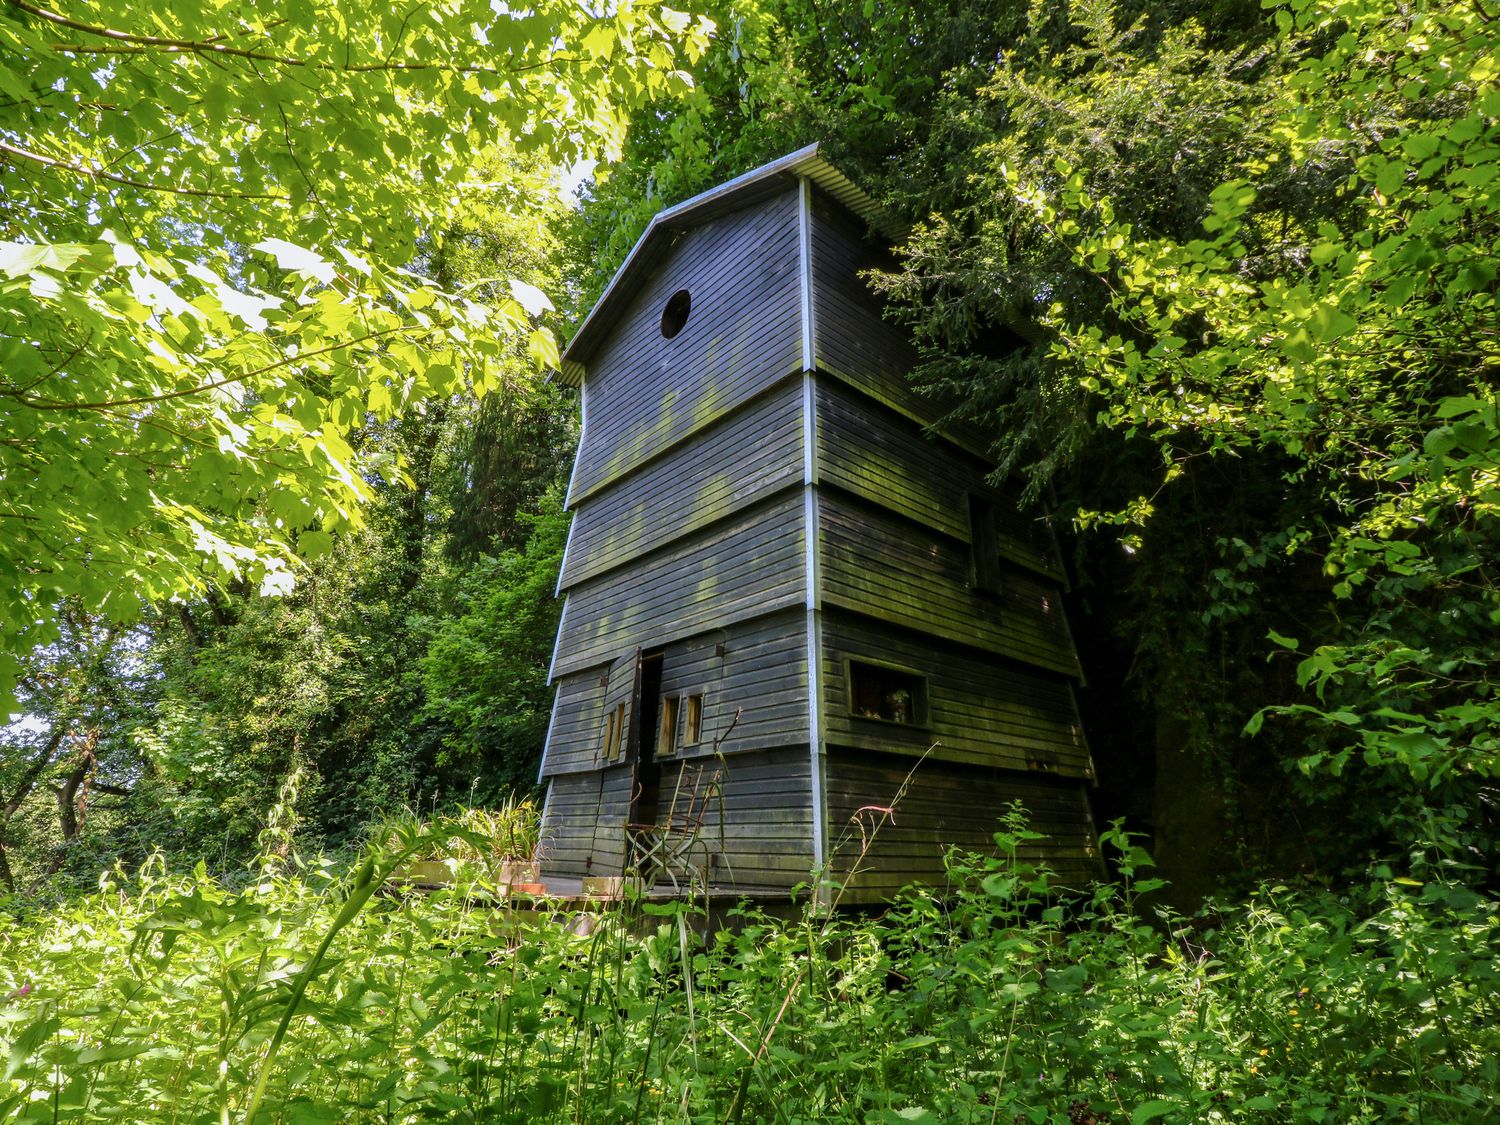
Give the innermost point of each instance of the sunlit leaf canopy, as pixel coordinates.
(207, 208)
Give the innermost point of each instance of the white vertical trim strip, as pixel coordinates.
(583, 425)
(814, 622)
(562, 567)
(557, 642)
(583, 429)
(804, 250)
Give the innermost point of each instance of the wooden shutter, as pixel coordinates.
(617, 731)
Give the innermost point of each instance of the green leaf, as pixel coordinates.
(1150, 1111)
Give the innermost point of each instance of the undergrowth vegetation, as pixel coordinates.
(317, 995)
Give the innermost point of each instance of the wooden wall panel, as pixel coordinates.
(577, 730)
(852, 338)
(724, 469)
(761, 830)
(735, 570)
(645, 392)
(763, 674)
(885, 458)
(949, 805)
(583, 832)
(981, 711)
(889, 568)
(731, 572)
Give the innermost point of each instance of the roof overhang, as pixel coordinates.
(662, 232)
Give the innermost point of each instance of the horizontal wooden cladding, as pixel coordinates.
(945, 806)
(722, 470)
(762, 674)
(851, 334)
(885, 458)
(644, 392)
(891, 569)
(574, 740)
(852, 338)
(582, 832)
(741, 568)
(759, 830)
(757, 834)
(979, 711)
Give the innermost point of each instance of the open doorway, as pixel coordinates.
(645, 790)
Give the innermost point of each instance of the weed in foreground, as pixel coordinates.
(321, 993)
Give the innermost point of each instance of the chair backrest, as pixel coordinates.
(696, 787)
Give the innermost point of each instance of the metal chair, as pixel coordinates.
(668, 845)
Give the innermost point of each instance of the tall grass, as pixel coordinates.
(338, 996)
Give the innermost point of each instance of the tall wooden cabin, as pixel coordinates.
(769, 535)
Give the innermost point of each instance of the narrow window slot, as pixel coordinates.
(666, 735)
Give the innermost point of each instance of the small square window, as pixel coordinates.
(666, 735)
(693, 721)
(890, 695)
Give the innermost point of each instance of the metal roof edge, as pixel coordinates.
(804, 162)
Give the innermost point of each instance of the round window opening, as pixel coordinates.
(675, 315)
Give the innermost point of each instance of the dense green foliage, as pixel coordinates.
(1218, 278)
(165, 997)
(203, 289)
(1219, 281)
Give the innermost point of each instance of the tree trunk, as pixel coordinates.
(18, 797)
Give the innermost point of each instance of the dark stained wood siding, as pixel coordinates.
(583, 832)
(762, 827)
(885, 458)
(740, 568)
(948, 805)
(646, 393)
(577, 730)
(722, 470)
(982, 710)
(852, 338)
(763, 674)
(895, 570)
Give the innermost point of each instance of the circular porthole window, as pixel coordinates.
(675, 315)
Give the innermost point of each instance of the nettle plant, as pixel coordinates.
(321, 993)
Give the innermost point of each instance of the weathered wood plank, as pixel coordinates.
(718, 471)
(741, 568)
(762, 674)
(854, 340)
(884, 458)
(979, 710)
(744, 332)
(888, 568)
(948, 805)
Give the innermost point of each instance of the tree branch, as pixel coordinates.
(80, 170)
(129, 43)
(144, 400)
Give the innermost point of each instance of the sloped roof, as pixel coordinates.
(658, 237)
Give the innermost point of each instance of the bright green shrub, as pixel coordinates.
(159, 997)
